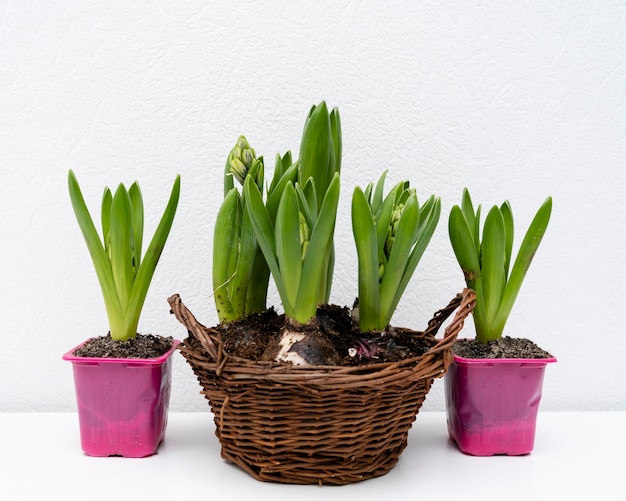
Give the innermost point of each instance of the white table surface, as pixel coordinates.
(576, 456)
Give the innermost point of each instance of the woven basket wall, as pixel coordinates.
(320, 424)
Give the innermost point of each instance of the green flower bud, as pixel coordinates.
(381, 272)
(389, 245)
(238, 169)
(241, 159)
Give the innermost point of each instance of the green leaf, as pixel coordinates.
(105, 215)
(121, 238)
(493, 259)
(463, 246)
(97, 252)
(308, 201)
(383, 219)
(377, 196)
(281, 164)
(226, 235)
(400, 251)
(525, 255)
(315, 265)
(151, 258)
(335, 131)
(245, 255)
(317, 156)
(264, 232)
(364, 231)
(287, 238)
(467, 208)
(274, 195)
(507, 215)
(136, 205)
(429, 218)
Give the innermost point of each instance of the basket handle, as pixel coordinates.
(199, 331)
(463, 303)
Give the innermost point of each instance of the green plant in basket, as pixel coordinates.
(123, 273)
(240, 275)
(391, 235)
(319, 163)
(240, 272)
(295, 227)
(295, 247)
(486, 262)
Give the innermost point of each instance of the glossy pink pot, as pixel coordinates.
(122, 403)
(492, 404)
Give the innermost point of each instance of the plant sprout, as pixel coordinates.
(391, 235)
(485, 263)
(320, 160)
(123, 274)
(240, 272)
(296, 246)
(240, 275)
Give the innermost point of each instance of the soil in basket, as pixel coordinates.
(141, 346)
(505, 347)
(249, 338)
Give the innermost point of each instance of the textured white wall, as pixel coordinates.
(512, 100)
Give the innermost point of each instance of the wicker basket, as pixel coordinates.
(320, 424)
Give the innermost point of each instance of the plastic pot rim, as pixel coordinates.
(69, 356)
(494, 361)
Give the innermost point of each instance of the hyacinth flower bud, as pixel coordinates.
(240, 161)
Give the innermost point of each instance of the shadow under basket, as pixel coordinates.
(319, 424)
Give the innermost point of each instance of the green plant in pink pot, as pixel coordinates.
(494, 386)
(122, 379)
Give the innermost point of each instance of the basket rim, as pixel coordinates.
(239, 368)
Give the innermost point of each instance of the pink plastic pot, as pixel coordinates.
(492, 404)
(122, 403)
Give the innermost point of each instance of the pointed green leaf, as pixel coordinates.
(308, 201)
(246, 253)
(463, 246)
(335, 131)
(264, 232)
(426, 229)
(273, 199)
(226, 235)
(507, 215)
(383, 219)
(287, 238)
(400, 251)
(121, 237)
(146, 271)
(105, 214)
(377, 196)
(97, 252)
(136, 205)
(364, 231)
(317, 157)
(315, 265)
(525, 255)
(493, 258)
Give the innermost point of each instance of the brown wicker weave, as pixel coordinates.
(321, 424)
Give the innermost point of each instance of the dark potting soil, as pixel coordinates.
(141, 346)
(505, 347)
(249, 338)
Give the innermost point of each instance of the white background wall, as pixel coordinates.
(516, 100)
